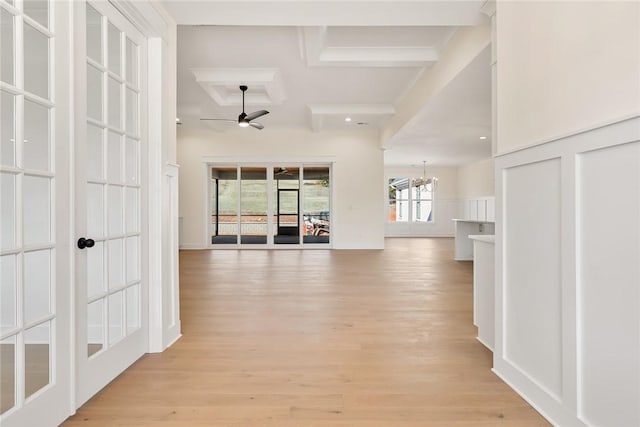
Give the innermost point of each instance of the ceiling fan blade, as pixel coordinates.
(255, 115)
(256, 125)
(223, 120)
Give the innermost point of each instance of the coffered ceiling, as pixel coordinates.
(332, 65)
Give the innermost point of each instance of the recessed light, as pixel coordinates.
(347, 119)
(483, 137)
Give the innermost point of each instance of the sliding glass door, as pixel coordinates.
(272, 206)
(224, 212)
(316, 205)
(253, 205)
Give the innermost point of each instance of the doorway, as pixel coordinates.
(269, 205)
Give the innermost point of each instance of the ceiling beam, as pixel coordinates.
(327, 12)
(462, 49)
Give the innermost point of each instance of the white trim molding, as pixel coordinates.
(567, 276)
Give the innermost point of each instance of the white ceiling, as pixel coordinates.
(309, 70)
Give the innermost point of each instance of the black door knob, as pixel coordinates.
(85, 243)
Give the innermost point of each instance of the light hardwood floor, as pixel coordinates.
(318, 338)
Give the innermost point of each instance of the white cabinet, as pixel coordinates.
(483, 287)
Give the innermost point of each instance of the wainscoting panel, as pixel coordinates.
(609, 285)
(533, 312)
(567, 294)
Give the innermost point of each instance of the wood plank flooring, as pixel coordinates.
(318, 338)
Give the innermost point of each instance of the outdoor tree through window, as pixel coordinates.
(411, 199)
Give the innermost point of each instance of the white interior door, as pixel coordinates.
(111, 151)
(35, 296)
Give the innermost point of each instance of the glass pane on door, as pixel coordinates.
(8, 366)
(94, 34)
(38, 10)
(95, 327)
(224, 215)
(8, 129)
(8, 227)
(8, 293)
(317, 196)
(37, 285)
(36, 137)
(253, 197)
(7, 31)
(36, 62)
(37, 358)
(287, 205)
(36, 210)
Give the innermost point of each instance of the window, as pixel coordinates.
(411, 199)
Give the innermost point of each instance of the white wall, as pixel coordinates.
(476, 180)
(568, 210)
(564, 67)
(357, 220)
(446, 204)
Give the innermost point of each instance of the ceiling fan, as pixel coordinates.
(244, 119)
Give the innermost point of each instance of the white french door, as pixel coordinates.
(35, 273)
(111, 277)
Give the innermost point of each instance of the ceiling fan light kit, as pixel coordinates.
(245, 120)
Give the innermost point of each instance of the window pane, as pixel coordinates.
(7, 29)
(393, 183)
(8, 211)
(36, 210)
(37, 285)
(114, 49)
(38, 10)
(422, 210)
(401, 211)
(225, 206)
(94, 34)
(8, 378)
(7, 129)
(36, 62)
(94, 93)
(317, 195)
(36, 137)
(253, 196)
(287, 205)
(37, 358)
(8, 289)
